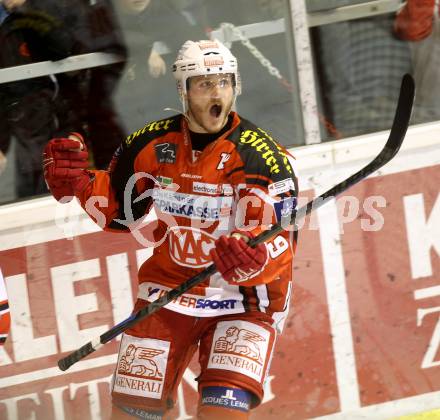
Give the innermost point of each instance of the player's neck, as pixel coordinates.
(200, 140)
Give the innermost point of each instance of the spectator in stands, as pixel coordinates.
(151, 29)
(276, 9)
(418, 22)
(30, 110)
(361, 65)
(195, 17)
(91, 91)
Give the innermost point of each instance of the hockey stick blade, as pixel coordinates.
(392, 146)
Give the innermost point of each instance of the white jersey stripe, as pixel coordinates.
(262, 297)
(265, 197)
(3, 294)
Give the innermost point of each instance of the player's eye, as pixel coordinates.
(224, 83)
(205, 84)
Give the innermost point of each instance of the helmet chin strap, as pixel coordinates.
(181, 112)
(176, 110)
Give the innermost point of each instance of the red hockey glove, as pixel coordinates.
(236, 260)
(64, 164)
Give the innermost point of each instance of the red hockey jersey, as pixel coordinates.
(244, 179)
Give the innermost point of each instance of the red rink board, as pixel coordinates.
(391, 335)
(389, 345)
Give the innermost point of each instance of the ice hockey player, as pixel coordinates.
(214, 180)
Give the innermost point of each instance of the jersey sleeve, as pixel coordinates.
(267, 192)
(118, 197)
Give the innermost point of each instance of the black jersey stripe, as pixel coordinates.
(245, 302)
(254, 288)
(240, 168)
(4, 306)
(257, 181)
(117, 226)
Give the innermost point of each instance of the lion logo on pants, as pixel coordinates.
(241, 342)
(138, 361)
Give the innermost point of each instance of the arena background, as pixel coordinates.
(362, 340)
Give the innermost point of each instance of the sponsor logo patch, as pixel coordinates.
(150, 127)
(195, 304)
(166, 152)
(141, 368)
(228, 189)
(190, 246)
(164, 181)
(284, 208)
(203, 45)
(214, 61)
(240, 346)
(263, 147)
(192, 206)
(236, 399)
(141, 414)
(281, 187)
(212, 189)
(271, 152)
(204, 188)
(192, 176)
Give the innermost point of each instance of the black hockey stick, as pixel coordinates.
(392, 146)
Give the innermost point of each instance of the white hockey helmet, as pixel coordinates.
(202, 58)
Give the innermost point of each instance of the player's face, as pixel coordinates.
(135, 6)
(210, 100)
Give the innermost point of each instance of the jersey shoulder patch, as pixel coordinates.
(260, 153)
(153, 130)
(122, 166)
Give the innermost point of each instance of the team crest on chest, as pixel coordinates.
(224, 157)
(190, 247)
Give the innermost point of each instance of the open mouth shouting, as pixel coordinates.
(215, 110)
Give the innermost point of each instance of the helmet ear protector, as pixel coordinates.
(203, 58)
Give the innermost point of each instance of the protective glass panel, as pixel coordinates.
(361, 58)
(106, 103)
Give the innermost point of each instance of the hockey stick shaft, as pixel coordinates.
(392, 146)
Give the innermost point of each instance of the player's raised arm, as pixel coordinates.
(102, 194)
